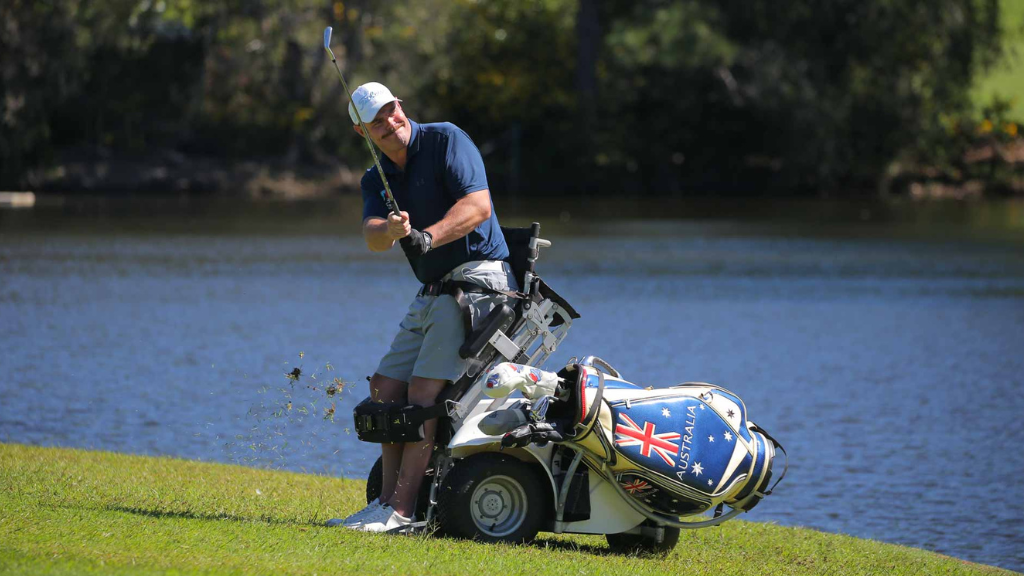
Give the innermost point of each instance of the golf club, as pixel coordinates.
(366, 132)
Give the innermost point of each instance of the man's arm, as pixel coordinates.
(468, 212)
(380, 234)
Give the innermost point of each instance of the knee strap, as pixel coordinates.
(393, 422)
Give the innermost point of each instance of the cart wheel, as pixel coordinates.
(375, 481)
(634, 543)
(493, 498)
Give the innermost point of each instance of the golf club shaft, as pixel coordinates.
(366, 132)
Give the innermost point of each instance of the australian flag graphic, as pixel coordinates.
(665, 445)
(387, 201)
(647, 492)
(676, 439)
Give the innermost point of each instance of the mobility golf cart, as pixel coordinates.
(580, 450)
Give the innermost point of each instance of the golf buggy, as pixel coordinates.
(581, 450)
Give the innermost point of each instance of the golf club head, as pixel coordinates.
(327, 41)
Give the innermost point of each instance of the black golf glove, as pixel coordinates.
(540, 434)
(416, 244)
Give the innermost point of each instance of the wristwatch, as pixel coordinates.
(428, 241)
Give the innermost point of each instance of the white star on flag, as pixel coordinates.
(709, 482)
(702, 406)
(728, 437)
(697, 469)
(711, 438)
(665, 412)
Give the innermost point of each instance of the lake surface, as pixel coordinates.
(884, 347)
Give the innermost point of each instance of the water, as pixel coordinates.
(886, 356)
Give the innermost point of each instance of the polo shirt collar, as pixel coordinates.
(414, 146)
(414, 139)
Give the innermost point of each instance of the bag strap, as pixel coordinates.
(776, 443)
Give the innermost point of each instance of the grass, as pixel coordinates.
(1006, 79)
(80, 512)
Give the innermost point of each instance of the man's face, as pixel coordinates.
(389, 129)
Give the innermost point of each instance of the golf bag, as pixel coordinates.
(678, 451)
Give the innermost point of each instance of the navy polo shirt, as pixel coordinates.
(442, 165)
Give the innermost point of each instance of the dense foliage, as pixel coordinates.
(581, 96)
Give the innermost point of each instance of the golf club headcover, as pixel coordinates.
(501, 421)
(507, 377)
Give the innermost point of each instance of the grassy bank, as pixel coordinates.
(77, 512)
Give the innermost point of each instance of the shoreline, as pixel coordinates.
(83, 171)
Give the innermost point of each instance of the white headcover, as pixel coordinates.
(507, 377)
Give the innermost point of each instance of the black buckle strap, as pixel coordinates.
(440, 287)
(393, 422)
(457, 289)
(451, 286)
(433, 289)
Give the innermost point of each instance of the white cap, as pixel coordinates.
(369, 98)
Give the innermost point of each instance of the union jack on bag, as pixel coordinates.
(679, 450)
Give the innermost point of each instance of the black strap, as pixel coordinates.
(473, 288)
(785, 468)
(416, 417)
(459, 288)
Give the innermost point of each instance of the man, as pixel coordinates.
(448, 231)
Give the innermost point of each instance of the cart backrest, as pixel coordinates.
(518, 241)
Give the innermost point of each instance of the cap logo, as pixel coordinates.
(368, 96)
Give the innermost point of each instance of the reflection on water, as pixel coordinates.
(883, 351)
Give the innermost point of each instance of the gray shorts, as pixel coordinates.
(429, 337)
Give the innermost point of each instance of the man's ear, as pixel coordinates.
(358, 129)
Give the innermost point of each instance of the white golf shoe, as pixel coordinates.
(355, 519)
(383, 519)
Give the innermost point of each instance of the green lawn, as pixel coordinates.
(80, 512)
(1006, 80)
